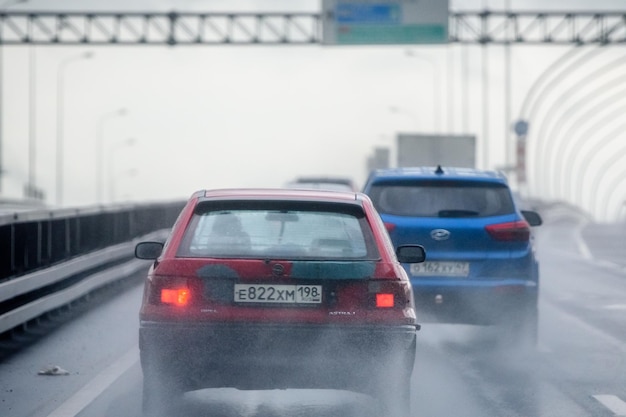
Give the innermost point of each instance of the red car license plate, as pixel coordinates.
(268, 293)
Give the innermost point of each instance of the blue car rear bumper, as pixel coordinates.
(474, 302)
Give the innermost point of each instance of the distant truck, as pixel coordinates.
(432, 150)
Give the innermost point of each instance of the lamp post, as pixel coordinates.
(99, 151)
(60, 103)
(127, 142)
(4, 5)
(31, 188)
(436, 87)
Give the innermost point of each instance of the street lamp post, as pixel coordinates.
(127, 142)
(100, 152)
(32, 191)
(60, 109)
(4, 5)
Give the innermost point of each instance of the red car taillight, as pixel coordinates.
(518, 231)
(385, 300)
(178, 297)
(389, 294)
(171, 291)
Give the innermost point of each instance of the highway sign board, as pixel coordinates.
(385, 22)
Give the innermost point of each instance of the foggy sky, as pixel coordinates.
(219, 116)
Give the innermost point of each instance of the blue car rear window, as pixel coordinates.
(442, 199)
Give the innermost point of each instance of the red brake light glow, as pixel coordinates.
(518, 231)
(384, 300)
(178, 297)
(390, 227)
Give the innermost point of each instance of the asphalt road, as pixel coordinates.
(578, 368)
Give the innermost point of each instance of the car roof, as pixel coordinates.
(281, 194)
(439, 173)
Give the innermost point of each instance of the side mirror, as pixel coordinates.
(148, 250)
(532, 217)
(411, 254)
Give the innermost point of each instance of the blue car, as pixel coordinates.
(480, 262)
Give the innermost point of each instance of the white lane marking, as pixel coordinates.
(76, 403)
(585, 252)
(613, 403)
(606, 338)
(615, 307)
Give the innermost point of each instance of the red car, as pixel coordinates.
(269, 289)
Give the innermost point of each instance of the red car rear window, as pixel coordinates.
(285, 232)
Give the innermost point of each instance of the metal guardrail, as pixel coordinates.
(24, 301)
(36, 239)
(52, 257)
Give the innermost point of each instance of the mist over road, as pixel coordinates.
(578, 367)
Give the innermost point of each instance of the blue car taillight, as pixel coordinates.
(390, 227)
(517, 231)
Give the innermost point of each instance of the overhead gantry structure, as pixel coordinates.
(195, 28)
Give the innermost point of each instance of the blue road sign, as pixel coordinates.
(363, 13)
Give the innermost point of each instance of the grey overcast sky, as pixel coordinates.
(219, 116)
